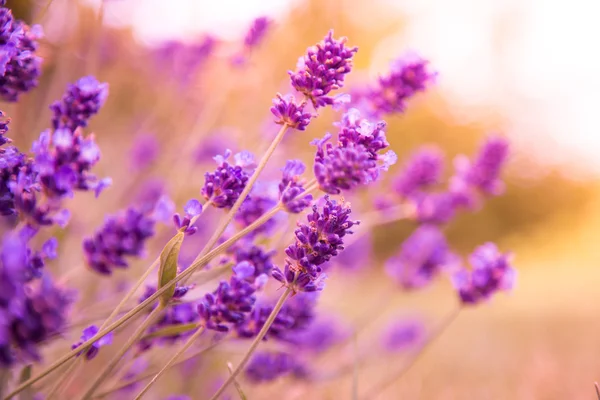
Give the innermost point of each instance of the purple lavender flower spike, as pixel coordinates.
(4, 129)
(260, 260)
(402, 334)
(63, 160)
(20, 67)
(93, 350)
(227, 306)
(319, 335)
(422, 170)
(407, 77)
(316, 242)
(288, 112)
(266, 366)
(422, 256)
(192, 209)
(483, 173)
(81, 101)
(323, 69)
(355, 160)
(252, 209)
(491, 272)
(182, 61)
(435, 208)
(223, 187)
(291, 189)
(122, 235)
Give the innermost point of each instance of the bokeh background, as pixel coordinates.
(527, 69)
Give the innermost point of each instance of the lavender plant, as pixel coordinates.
(185, 306)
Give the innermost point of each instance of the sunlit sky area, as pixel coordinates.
(548, 88)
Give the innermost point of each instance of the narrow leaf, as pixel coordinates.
(168, 266)
(172, 330)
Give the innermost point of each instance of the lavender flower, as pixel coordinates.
(192, 209)
(355, 159)
(435, 208)
(421, 258)
(93, 350)
(316, 242)
(122, 235)
(267, 366)
(483, 173)
(260, 260)
(295, 316)
(20, 68)
(63, 160)
(291, 188)
(323, 69)
(81, 101)
(406, 78)
(223, 187)
(183, 60)
(252, 209)
(318, 336)
(228, 305)
(288, 112)
(491, 273)
(402, 334)
(422, 170)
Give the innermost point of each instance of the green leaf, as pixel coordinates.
(168, 266)
(25, 375)
(171, 330)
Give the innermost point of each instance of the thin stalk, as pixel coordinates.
(381, 386)
(254, 344)
(150, 300)
(171, 361)
(62, 379)
(236, 206)
(142, 377)
(117, 357)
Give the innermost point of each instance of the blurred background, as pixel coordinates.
(525, 68)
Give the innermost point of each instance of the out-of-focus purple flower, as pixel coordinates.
(223, 187)
(266, 366)
(144, 151)
(402, 334)
(122, 235)
(316, 242)
(257, 31)
(217, 142)
(43, 315)
(252, 209)
(491, 272)
(355, 159)
(421, 171)
(291, 189)
(63, 160)
(323, 69)
(182, 61)
(4, 129)
(407, 77)
(93, 350)
(20, 67)
(288, 112)
(192, 209)
(227, 306)
(319, 335)
(295, 316)
(434, 208)
(483, 173)
(81, 101)
(422, 256)
(357, 255)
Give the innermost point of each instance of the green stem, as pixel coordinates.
(117, 357)
(171, 361)
(381, 386)
(254, 344)
(150, 300)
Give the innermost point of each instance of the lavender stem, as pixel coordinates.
(254, 344)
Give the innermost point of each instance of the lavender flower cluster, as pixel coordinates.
(182, 303)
